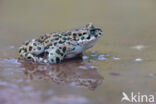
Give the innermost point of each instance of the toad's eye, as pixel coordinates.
(92, 31)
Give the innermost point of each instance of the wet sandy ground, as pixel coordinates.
(123, 60)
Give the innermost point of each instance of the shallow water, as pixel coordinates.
(124, 60)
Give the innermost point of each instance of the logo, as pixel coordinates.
(137, 97)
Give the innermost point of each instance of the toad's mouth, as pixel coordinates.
(89, 44)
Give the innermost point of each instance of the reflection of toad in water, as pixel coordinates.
(74, 73)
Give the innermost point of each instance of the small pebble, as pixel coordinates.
(13, 61)
(138, 60)
(11, 47)
(86, 67)
(139, 47)
(90, 66)
(85, 57)
(150, 75)
(114, 74)
(107, 55)
(93, 55)
(101, 57)
(115, 58)
(83, 67)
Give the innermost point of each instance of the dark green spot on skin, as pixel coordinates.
(34, 44)
(57, 60)
(42, 37)
(56, 38)
(47, 46)
(80, 34)
(61, 42)
(65, 34)
(46, 52)
(74, 34)
(28, 57)
(64, 38)
(55, 35)
(26, 43)
(64, 49)
(20, 50)
(55, 43)
(69, 38)
(84, 33)
(60, 47)
(25, 50)
(69, 33)
(88, 37)
(39, 48)
(82, 38)
(52, 60)
(58, 51)
(61, 54)
(73, 48)
(69, 43)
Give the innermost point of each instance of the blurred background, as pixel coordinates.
(129, 41)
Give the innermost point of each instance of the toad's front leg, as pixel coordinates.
(55, 54)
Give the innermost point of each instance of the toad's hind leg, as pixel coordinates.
(56, 54)
(31, 50)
